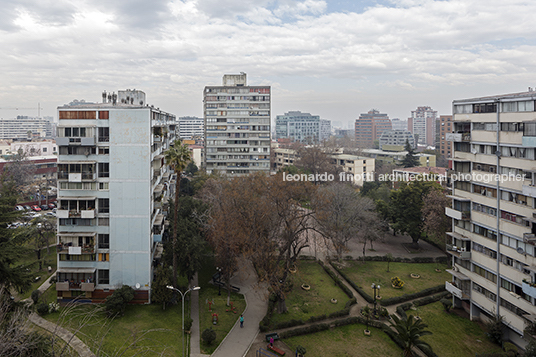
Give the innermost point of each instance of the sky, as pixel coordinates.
(335, 59)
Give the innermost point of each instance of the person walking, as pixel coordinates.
(241, 320)
(272, 341)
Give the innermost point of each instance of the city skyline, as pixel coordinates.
(336, 59)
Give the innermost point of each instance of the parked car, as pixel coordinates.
(54, 210)
(44, 207)
(53, 214)
(36, 208)
(27, 208)
(51, 206)
(19, 208)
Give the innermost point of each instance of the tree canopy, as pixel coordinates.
(410, 160)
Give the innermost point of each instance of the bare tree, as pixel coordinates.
(436, 222)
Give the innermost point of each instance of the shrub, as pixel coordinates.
(188, 323)
(353, 285)
(209, 335)
(304, 330)
(317, 318)
(495, 330)
(289, 323)
(397, 282)
(53, 279)
(447, 304)
(510, 349)
(35, 296)
(116, 303)
(42, 308)
(53, 307)
(350, 303)
(431, 299)
(301, 350)
(344, 312)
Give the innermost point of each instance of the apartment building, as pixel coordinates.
(396, 139)
(370, 126)
(237, 127)
(191, 128)
(422, 124)
(493, 209)
(444, 128)
(302, 127)
(112, 188)
(24, 126)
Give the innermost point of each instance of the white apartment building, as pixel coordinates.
(112, 185)
(237, 127)
(493, 209)
(26, 127)
(191, 128)
(422, 123)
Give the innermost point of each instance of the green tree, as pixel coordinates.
(409, 331)
(530, 349)
(410, 160)
(208, 335)
(177, 157)
(116, 303)
(191, 169)
(495, 329)
(436, 222)
(160, 293)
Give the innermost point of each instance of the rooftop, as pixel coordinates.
(531, 94)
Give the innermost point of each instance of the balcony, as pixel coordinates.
(458, 252)
(529, 190)
(529, 289)
(77, 176)
(458, 136)
(459, 215)
(454, 290)
(529, 238)
(90, 214)
(528, 141)
(67, 286)
(75, 250)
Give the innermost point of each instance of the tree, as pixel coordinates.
(160, 293)
(177, 157)
(389, 258)
(447, 304)
(20, 170)
(341, 213)
(410, 160)
(208, 335)
(409, 331)
(313, 160)
(495, 329)
(530, 349)
(436, 222)
(191, 169)
(116, 303)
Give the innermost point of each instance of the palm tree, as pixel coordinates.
(409, 331)
(177, 157)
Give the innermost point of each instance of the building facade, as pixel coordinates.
(370, 126)
(396, 138)
(237, 127)
(191, 128)
(493, 210)
(112, 186)
(422, 124)
(302, 127)
(26, 127)
(444, 129)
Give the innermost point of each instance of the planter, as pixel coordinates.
(333, 301)
(415, 276)
(438, 270)
(366, 332)
(293, 270)
(305, 287)
(378, 297)
(396, 287)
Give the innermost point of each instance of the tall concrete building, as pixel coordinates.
(443, 129)
(112, 187)
(370, 126)
(191, 128)
(422, 124)
(398, 124)
(493, 238)
(302, 127)
(237, 127)
(26, 127)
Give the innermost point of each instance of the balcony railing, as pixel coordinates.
(63, 248)
(529, 289)
(63, 213)
(459, 293)
(458, 252)
(459, 215)
(67, 286)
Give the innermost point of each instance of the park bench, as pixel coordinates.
(276, 350)
(273, 334)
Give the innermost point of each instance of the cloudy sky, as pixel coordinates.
(332, 58)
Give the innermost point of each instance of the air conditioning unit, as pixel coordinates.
(473, 151)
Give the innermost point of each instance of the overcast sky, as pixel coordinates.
(335, 59)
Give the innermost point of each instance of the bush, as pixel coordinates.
(407, 297)
(35, 296)
(304, 330)
(340, 313)
(510, 349)
(188, 323)
(53, 279)
(397, 282)
(447, 304)
(350, 303)
(495, 330)
(42, 308)
(116, 303)
(431, 299)
(209, 335)
(301, 350)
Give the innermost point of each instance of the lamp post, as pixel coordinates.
(219, 280)
(375, 287)
(182, 295)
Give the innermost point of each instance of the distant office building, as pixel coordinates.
(344, 133)
(191, 128)
(25, 127)
(370, 126)
(34, 147)
(398, 124)
(422, 124)
(302, 127)
(444, 128)
(398, 138)
(237, 127)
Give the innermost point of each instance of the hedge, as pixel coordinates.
(304, 330)
(431, 299)
(353, 285)
(407, 297)
(382, 258)
(401, 309)
(338, 281)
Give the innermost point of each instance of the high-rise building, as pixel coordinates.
(191, 128)
(237, 127)
(26, 127)
(302, 127)
(422, 124)
(444, 128)
(396, 138)
(370, 126)
(398, 124)
(112, 188)
(493, 234)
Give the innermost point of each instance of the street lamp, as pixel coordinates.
(375, 287)
(219, 280)
(182, 295)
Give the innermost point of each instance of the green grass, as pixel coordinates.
(345, 341)
(302, 304)
(49, 260)
(226, 320)
(364, 274)
(453, 336)
(117, 334)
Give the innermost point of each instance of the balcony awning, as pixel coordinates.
(159, 219)
(77, 270)
(459, 198)
(458, 275)
(77, 198)
(76, 234)
(457, 236)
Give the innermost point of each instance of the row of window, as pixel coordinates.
(506, 107)
(101, 221)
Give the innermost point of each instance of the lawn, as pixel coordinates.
(157, 331)
(345, 341)
(302, 304)
(364, 274)
(49, 260)
(209, 292)
(453, 336)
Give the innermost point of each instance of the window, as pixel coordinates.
(104, 241)
(104, 134)
(104, 115)
(104, 221)
(104, 169)
(103, 276)
(104, 205)
(104, 150)
(103, 257)
(44, 150)
(104, 186)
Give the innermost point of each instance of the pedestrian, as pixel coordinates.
(241, 320)
(272, 341)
